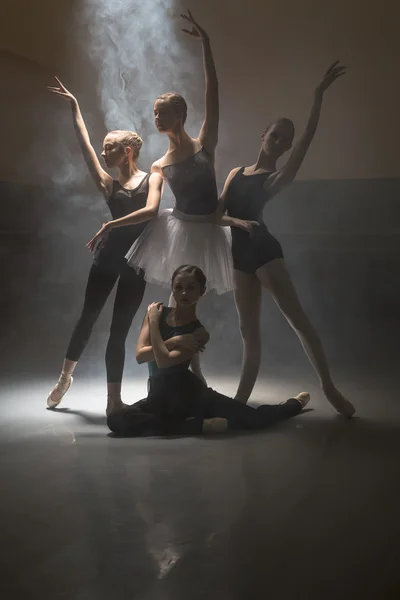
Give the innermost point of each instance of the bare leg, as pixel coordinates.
(275, 277)
(195, 362)
(248, 304)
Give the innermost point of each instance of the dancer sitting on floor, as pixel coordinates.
(258, 260)
(133, 190)
(178, 402)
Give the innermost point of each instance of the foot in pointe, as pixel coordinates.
(59, 390)
(303, 398)
(339, 402)
(215, 425)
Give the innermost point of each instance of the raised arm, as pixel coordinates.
(287, 174)
(144, 349)
(209, 131)
(102, 179)
(138, 216)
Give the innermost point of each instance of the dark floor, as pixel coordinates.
(308, 509)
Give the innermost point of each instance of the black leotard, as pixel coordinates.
(167, 332)
(111, 251)
(246, 199)
(193, 184)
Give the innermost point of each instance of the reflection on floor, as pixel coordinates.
(307, 509)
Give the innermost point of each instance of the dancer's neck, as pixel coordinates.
(127, 171)
(184, 315)
(265, 162)
(179, 140)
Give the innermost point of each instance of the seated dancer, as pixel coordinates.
(133, 190)
(258, 261)
(178, 402)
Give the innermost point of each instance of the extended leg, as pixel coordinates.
(248, 303)
(242, 416)
(99, 285)
(275, 277)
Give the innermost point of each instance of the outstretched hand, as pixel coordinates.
(61, 90)
(196, 31)
(103, 232)
(334, 72)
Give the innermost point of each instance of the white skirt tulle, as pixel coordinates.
(173, 239)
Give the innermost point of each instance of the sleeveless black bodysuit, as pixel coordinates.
(193, 184)
(111, 251)
(167, 332)
(246, 199)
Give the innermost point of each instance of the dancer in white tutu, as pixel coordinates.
(191, 232)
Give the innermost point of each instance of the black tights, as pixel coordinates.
(129, 295)
(152, 417)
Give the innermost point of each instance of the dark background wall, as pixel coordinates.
(339, 223)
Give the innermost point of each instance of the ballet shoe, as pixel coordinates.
(303, 398)
(59, 390)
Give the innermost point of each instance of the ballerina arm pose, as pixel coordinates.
(258, 261)
(132, 190)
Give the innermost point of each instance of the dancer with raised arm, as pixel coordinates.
(258, 261)
(190, 232)
(178, 402)
(134, 193)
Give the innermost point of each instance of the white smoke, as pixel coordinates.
(139, 52)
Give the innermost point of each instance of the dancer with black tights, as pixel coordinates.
(133, 199)
(178, 401)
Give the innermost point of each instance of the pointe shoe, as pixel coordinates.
(339, 402)
(59, 390)
(303, 398)
(215, 425)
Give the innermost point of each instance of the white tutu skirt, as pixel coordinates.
(169, 242)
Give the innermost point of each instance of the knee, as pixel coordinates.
(118, 335)
(300, 323)
(88, 318)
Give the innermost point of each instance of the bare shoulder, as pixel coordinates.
(230, 176)
(233, 172)
(156, 167)
(155, 179)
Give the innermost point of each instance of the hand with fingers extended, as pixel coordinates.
(196, 31)
(101, 234)
(334, 72)
(61, 90)
(247, 226)
(154, 311)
